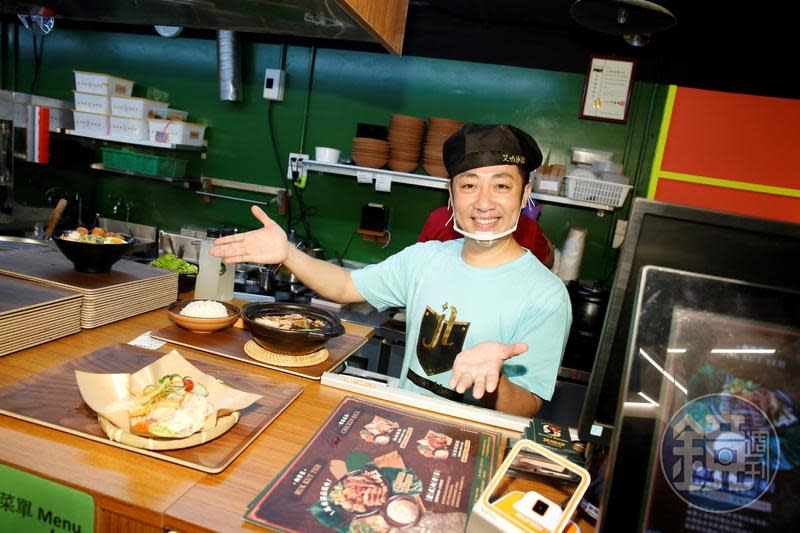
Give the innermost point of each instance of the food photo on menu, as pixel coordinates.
(373, 468)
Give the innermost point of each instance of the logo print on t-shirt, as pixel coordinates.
(441, 339)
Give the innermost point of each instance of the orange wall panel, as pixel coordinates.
(752, 139)
(737, 201)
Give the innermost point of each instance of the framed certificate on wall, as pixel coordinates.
(607, 92)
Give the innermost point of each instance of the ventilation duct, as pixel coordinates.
(229, 68)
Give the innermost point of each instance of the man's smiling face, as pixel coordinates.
(488, 199)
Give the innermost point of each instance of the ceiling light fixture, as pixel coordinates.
(634, 20)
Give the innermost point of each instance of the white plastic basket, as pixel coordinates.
(597, 191)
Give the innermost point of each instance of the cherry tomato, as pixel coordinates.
(188, 384)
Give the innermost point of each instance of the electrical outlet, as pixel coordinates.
(295, 165)
(273, 84)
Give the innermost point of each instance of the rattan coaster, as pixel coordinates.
(259, 353)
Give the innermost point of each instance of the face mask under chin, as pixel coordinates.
(484, 238)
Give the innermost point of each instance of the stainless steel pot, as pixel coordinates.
(265, 278)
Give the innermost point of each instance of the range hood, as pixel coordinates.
(381, 21)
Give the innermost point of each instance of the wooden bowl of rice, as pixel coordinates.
(203, 316)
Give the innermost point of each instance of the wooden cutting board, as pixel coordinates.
(50, 266)
(52, 399)
(230, 342)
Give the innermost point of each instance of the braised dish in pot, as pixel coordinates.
(292, 329)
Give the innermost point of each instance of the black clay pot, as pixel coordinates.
(286, 341)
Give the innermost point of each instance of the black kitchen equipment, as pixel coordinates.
(589, 303)
(287, 341)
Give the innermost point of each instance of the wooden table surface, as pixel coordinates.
(133, 492)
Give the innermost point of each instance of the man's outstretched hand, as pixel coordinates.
(267, 245)
(479, 367)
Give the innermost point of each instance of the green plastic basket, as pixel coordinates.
(139, 163)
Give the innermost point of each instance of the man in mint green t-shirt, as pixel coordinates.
(486, 322)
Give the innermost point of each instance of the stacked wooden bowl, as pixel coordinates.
(439, 130)
(405, 142)
(372, 153)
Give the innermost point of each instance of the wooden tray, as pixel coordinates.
(129, 289)
(32, 313)
(52, 399)
(17, 295)
(230, 343)
(50, 266)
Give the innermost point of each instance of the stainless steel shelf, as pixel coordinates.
(141, 142)
(165, 179)
(431, 182)
(569, 201)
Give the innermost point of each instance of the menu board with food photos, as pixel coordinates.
(374, 468)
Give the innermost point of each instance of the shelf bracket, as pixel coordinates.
(280, 194)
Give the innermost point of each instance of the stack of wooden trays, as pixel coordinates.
(439, 130)
(129, 289)
(372, 153)
(405, 142)
(32, 313)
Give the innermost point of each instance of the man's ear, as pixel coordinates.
(526, 194)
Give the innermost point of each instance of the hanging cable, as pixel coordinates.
(275, 151)
(305, 211)
(38, 49)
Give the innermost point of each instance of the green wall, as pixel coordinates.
(346, 87)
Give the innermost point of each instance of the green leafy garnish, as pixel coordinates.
(172, 262)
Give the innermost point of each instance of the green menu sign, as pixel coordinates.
(33, 504)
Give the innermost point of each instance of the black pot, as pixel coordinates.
(186, 282)
(588, 307)
(93, 258)
(286, 341)
(588, 313)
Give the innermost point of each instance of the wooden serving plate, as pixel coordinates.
(230, 342)
(52, 399)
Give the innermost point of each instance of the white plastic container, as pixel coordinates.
(91, 122)
(176, 132)
(207, 284)
(587, 156)
(547, 184)
(97, 83)
(601, 166)
(128, 128)
(125, 106)
(93, 103)
(176, 114)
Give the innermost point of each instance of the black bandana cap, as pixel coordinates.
(485, 145)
